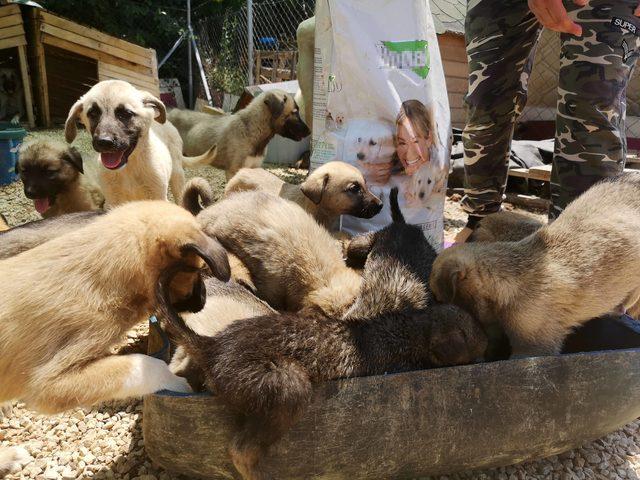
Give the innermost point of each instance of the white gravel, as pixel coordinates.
(106, 442)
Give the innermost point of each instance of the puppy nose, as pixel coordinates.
(360, 156)
(104, 142)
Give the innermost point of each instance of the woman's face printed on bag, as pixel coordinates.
(412, 145)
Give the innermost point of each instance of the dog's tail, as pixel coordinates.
(207, 158)
(396, 213)
(197, 195)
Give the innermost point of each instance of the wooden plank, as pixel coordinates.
(95, 54)
(13, 31)
(453, 53)
(527, 201)
(95, 45)
(126, 74)
(96, 34)
(457, 85)
(458, 116)
(455, 69)
(452, 40)
(154, 69)
(13, 42)
(7, 10)
(148, 87)
(39, 69)
(10, 20)
(519, 172)
(456, 100)
(26, 85)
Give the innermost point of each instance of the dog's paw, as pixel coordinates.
(13, 459)
(178, 384)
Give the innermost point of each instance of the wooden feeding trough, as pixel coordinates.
(60, 60)
(415, 424)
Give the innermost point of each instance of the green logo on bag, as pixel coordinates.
(412, 54)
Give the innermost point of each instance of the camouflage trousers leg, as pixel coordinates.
(595, 69)
(501, 36)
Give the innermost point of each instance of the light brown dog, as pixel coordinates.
(239, 140)
(504, 227)
(52, 175)
(334, 189)
(129, 128)
(583, 265)
(293, 261)
(226, 303)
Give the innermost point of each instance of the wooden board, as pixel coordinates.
(7, 10)
(13, 42)
(13, 31)
(26, 84)
(38, 69)
(542, 173)
(10, 20)
(415, 424)
(143, 82)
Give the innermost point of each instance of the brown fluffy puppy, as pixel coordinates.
(225, 304)
(505, 227)
(93, 285)
(265, 367)
(583, 265)
(239, 140)
(334, 189)
(52, 174)
(30, 235)
(293, 261)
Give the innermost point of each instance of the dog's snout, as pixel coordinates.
(104, 143)
(360, 156)
(30, 192)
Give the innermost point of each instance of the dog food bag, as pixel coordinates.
(380, 103)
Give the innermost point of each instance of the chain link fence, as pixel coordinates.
(224, 42)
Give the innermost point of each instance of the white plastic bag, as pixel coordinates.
(380, 103)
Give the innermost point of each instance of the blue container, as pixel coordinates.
(11, 137)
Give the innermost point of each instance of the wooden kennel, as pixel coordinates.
(65, 59)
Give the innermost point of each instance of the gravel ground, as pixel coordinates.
(106, 442)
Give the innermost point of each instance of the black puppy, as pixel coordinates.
(265, 367)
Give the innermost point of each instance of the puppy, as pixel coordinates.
(265, 367)
(334, 189)
(293, 261)
(504, 227)
(141, 154)
(93, 285)
(369, 144)
(4, 225)
(30, 235)
(583, 265)
(52, 174)
(239, 140)
(397, 264)
(11, 95)
(225, 304)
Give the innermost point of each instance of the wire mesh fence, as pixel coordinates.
(230, 64)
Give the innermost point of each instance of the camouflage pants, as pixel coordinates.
(590, 143)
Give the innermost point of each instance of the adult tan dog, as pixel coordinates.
(141, 153)
(504, 227)
(293, 261)
(53, 177)
(239, 140)
(334, 189)
(583, 265)
(66, 303)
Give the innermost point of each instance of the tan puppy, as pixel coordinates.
(334, 189)
(52, 175)
(226, 303)
(239, 140)
(504, 227)
(294, 262)
(583, 265)
(140, 152)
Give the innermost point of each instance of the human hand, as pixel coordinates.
(552, 15)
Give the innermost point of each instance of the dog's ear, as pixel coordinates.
(74, 157)
(276, 104)
(213, 254)
(70, 128)
(359, 248)
(314, 186)
(149, 101)
(453, 275)
(447, 343)
(196, 300)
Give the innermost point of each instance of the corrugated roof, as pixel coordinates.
(448, 15)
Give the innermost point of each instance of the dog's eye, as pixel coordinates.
(124, 114)
(429, 182)
(94, 112)
(372, 143)
(52, 173)
(354, 188)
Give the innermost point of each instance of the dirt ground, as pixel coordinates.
(106, 442)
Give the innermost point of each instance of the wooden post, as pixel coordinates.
(38, 70)
(26, 85)
(274, 67)
(258, 74)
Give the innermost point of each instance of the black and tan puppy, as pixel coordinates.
(241, 139)
(505, 227)
(397, 264)
(265, 367)
(583, 265)
(52, 175)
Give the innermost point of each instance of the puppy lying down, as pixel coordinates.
(583, 265)
(265, 367)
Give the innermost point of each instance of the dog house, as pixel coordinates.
(60, 60)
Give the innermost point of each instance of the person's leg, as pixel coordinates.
(594, 72)
(500, 37)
